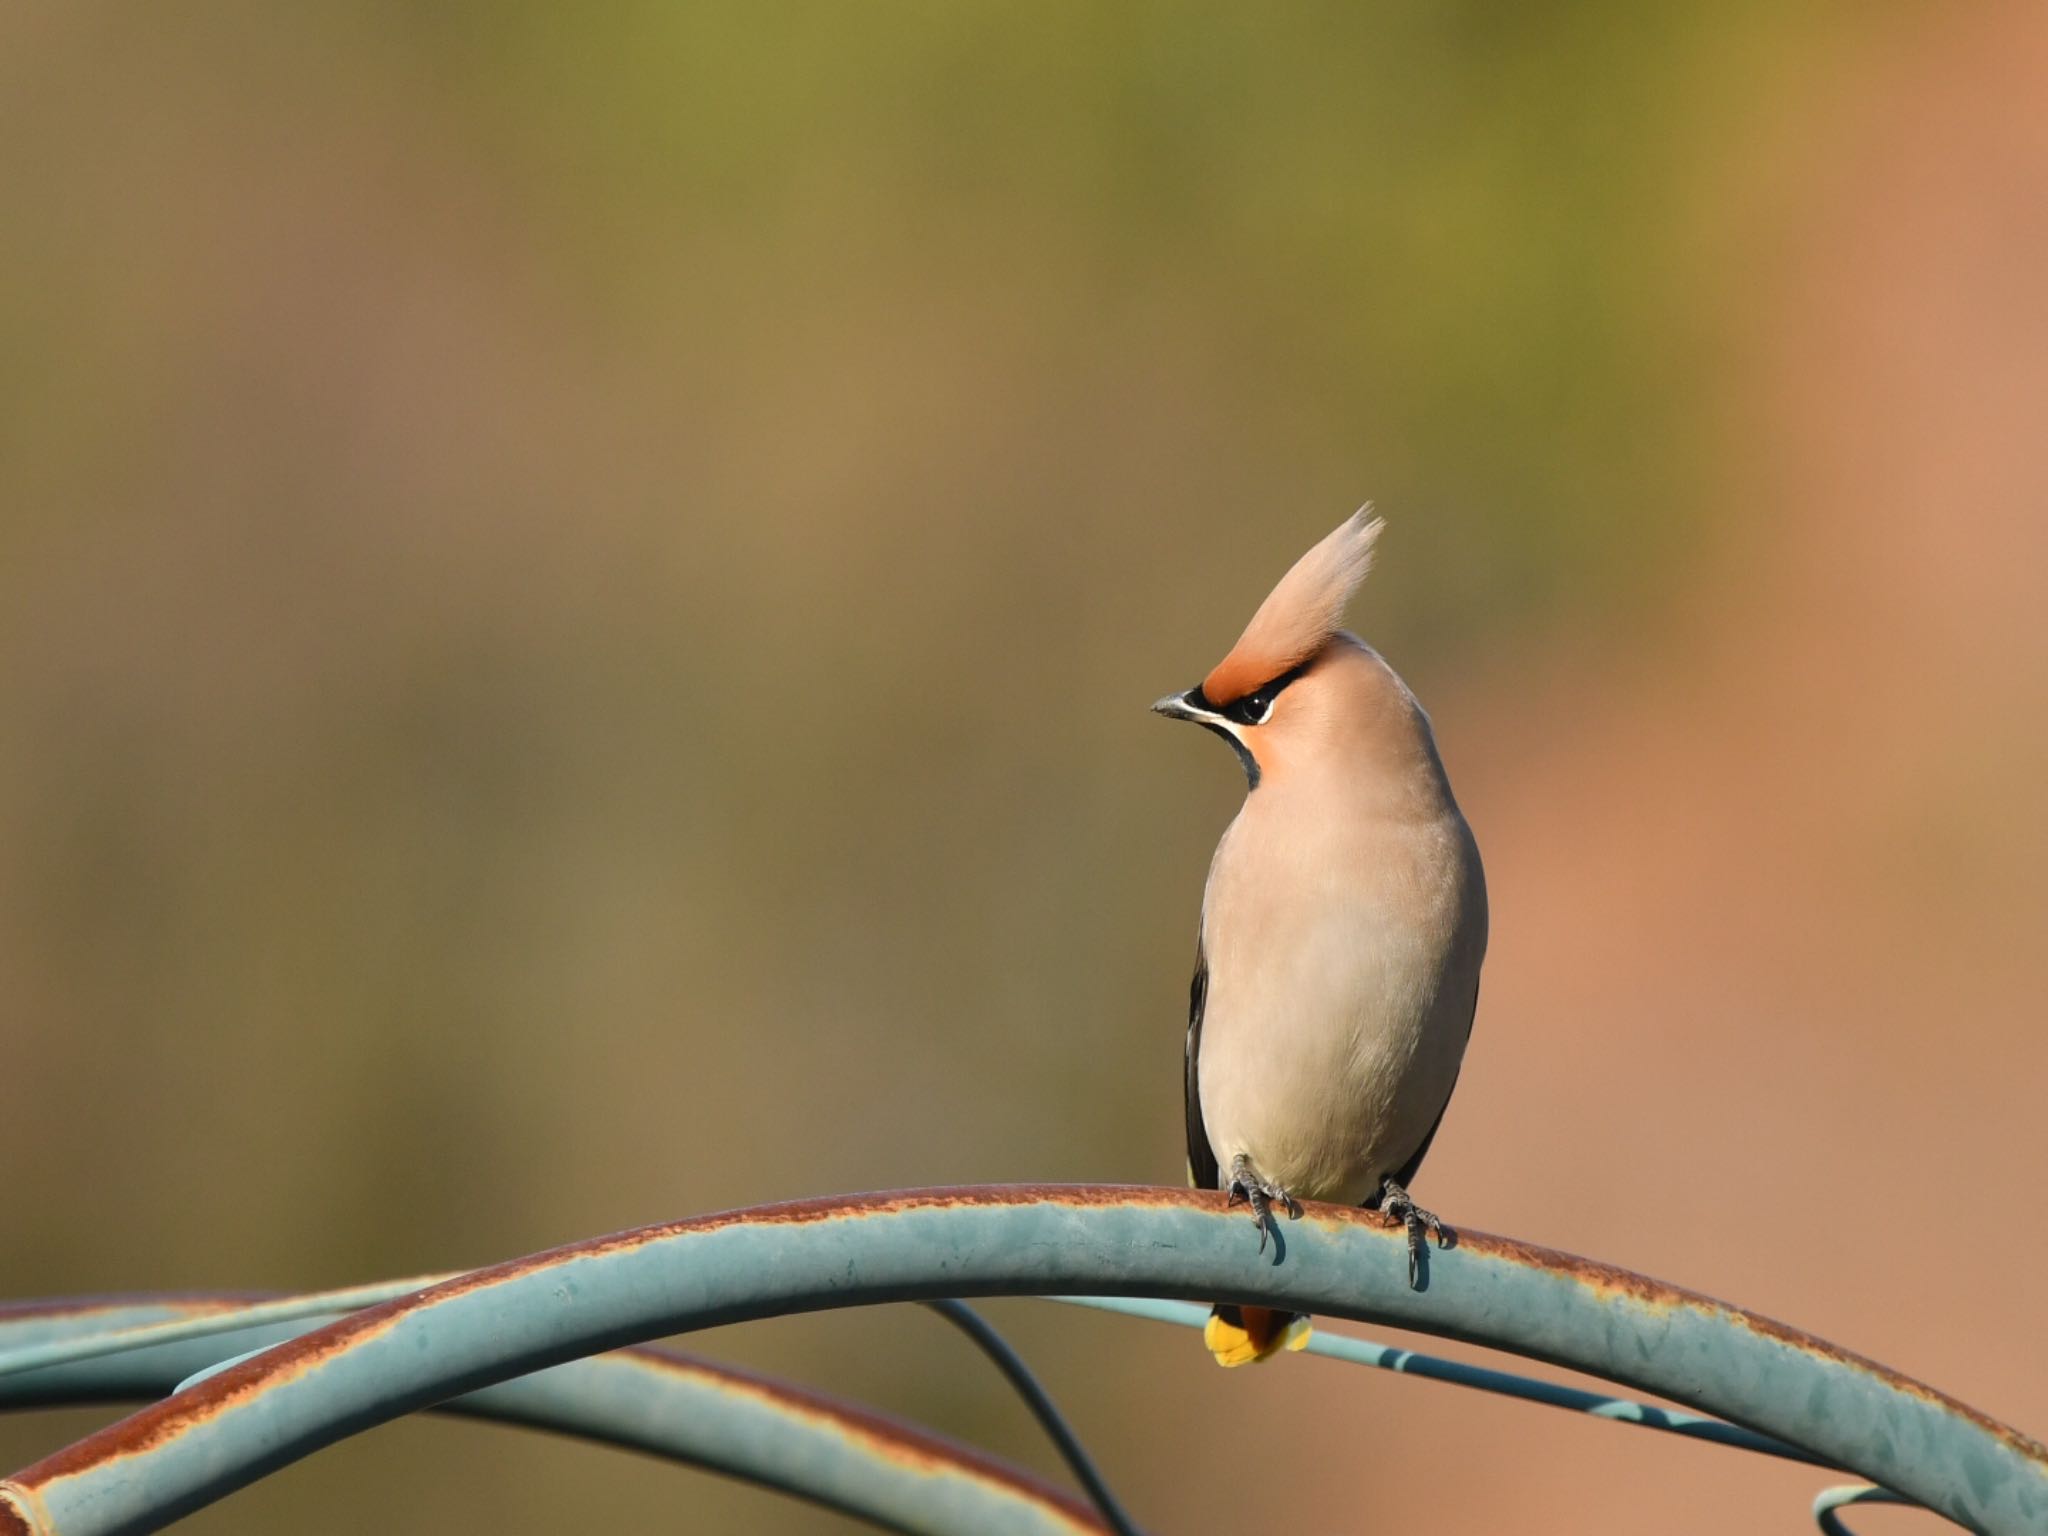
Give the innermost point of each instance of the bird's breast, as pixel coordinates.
(1343, 970)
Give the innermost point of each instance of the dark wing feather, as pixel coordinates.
(1414, 1164)
(1406, 1174)
(1202, 1170)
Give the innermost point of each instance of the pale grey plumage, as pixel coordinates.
(1343, 928)
(1344, 921)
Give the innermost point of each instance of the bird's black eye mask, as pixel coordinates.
(1254, 707)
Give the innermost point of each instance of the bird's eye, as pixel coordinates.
(1253, 708)
(1256, 706)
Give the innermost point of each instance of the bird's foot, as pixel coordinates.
(1248, 1186)
(1395, 1201)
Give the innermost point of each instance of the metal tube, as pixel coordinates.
(536, 1312)
(722, 1420)
(1529, 1389)
(1829, 1500)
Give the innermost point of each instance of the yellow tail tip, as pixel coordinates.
(1246, 1335)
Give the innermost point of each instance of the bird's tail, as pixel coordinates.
(1246, 1335)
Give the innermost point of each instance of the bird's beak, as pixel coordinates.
(1183, 706)
(1193, 705)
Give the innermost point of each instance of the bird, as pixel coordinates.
(1342, 931)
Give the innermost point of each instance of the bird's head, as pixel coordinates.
(1272, 693)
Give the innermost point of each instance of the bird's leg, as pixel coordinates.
(1395, 1201)
(1248, 1186)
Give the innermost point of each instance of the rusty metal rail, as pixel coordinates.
(786, 1438)
(537, 1312)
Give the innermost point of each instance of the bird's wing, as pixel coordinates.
(1202, 1170)
(1409, 1169)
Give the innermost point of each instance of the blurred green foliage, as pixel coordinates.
(578, 586)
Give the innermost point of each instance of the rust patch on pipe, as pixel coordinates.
(1806, 1343)
(21, 1511)
(184, 1304)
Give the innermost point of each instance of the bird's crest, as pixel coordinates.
(1301, 613)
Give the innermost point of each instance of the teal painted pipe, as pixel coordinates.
(45, 1352)
(536, 1312)
(1408, 1362)
(1829, 1501)
(35, 1334)
(750, 1427)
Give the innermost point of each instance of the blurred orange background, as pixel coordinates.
(578, 593)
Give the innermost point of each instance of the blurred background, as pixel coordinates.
(578, 591)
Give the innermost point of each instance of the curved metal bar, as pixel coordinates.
(203, 1319)
(536, 1312)
(1409, 1362)
(23, 1346)
(669, 1404)
(1828, 1500)
(226, 1313)
(1065, 1441)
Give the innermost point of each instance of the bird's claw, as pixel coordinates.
(1248, 1186)
(1396, 1202)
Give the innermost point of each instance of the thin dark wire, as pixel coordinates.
(1065, 1441)
(1530, 1389)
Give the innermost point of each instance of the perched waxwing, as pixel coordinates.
(1343, 925)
